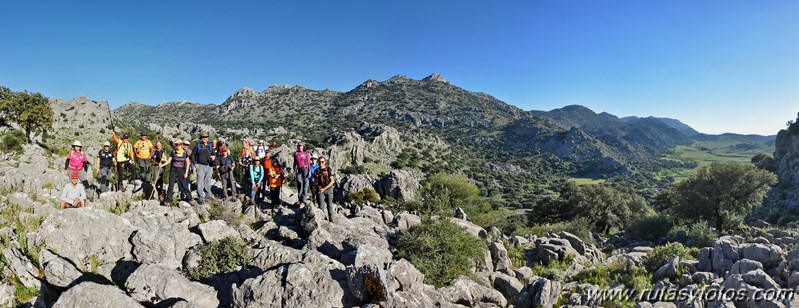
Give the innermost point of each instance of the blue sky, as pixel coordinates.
(719, 66)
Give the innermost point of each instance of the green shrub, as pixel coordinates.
(12, 141)
(353, 170)
(220, 256)
(581, 227)
(649, 228)
(634, 277)
(363, 196)
(441, 250)
(697, 235)
(442, 193)
(658, 256)
(554, 269)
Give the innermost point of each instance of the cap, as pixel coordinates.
(125, 136)
(300, 143)
(74, 175)
(261, 141)
(106, 144)
(314, 156)
(178, 141)
(142, 134)
(203, 135)
(77, 144)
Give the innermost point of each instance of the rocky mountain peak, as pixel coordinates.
(397, 79)
(435, 77)
(243, 92)
(283, 88)
(371, 83)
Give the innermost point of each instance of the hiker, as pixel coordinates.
(325, 178)
(105, 164)
(302, 166)
(312, 188)
(124, 155)
(178, 171)
(74, 193)
(256, 176)
(201, 159)
(276, 179)
(77, 162)
(144, 152)
(159, 161)
(225, 167)
(260, 150)
(246, 157)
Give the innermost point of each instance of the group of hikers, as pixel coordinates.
(262, 171)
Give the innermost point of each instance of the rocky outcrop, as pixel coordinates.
(400, 184)
(154, 284)
(90, 294)
(294, 285)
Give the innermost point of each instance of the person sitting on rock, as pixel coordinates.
(325, 178)
(256, 176)
(73, 194)
(276, 179)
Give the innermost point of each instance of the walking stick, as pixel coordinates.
(157, 176)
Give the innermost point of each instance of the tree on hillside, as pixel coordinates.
(603, 205)
(722, 193)
(441, 193)
(30, 110)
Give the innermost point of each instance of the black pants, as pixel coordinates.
(246, 186)
(228, 182)
(143, 167)
(275, 196)
(176, 175)
(121, 166)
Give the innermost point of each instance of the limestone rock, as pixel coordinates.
(58, 271)
(155, 284)
(216, 230)
(166, 245)
(466, 292)
(80, 235)
(90, 294)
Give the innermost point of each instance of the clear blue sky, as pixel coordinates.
(719, 66)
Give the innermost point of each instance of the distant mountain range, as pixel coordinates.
(485, 131)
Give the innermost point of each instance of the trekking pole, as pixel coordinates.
(157, 175)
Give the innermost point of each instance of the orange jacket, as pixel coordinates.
(276, 176)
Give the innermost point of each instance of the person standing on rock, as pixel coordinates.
(144, 152)
(302, 167)
(77, 162)
(74, 193)
(276, 179)
(159, 162)
(201, 158)
(124, 155)
(246, 157)
(260, 150)
(178, 171)
(225, 167)
(312, 188)
(105, 164)
(256, 176)
(325, 178)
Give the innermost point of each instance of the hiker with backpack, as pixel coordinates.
(302, 167)
(201, 158)
(312, 188)
(159, 161)
(144, 152)
(124, 155)
(246, 157)
(74, 193)
(256, 177)
(179, 172)
(225, 166)
(276, 179)
(105, 165)
(77, 162)
(325, 178)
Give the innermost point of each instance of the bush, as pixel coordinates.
(441, 250)
(364, 195)
(353, 170)
(634, 277)
(221, 256)
(697, 235)
(661, 254)
(442, 193)
(650, 228)
(12, 141)
(580, 227)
